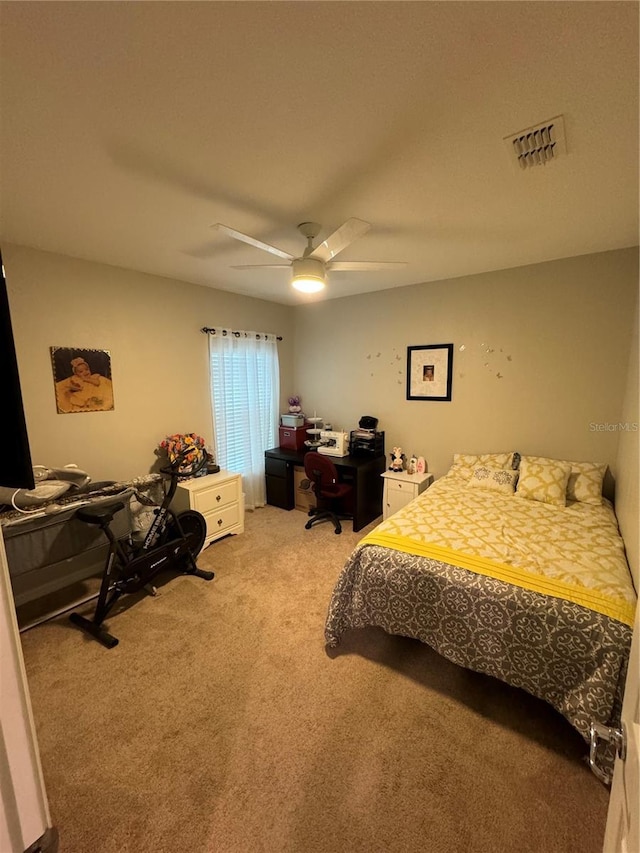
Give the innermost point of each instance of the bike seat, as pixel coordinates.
(99, 514)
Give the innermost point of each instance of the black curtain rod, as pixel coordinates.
(209, 331)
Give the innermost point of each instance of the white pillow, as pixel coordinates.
(493, 479)
(465, 463)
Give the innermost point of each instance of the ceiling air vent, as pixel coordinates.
(538, 145)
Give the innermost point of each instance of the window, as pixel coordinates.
(245, 393)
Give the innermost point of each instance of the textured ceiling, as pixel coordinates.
(128, 129)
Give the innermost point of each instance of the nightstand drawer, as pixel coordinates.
(407, 488)
(223, 519)
(215, 497)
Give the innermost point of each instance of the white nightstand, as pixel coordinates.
(400, 488)
(218, 497)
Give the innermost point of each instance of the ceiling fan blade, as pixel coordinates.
(238, 235)
(340, 239)
(352, 266)
(261, 267)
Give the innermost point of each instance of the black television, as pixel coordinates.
(16, 470)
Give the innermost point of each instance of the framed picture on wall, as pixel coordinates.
(82, 380)
(429, 372)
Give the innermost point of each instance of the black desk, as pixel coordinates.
(362, 472)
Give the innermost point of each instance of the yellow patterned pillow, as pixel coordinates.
(543, 481)
(585, 479)
(585, 482)
(493, 479)
(464, 463)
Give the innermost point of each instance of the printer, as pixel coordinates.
(366, 440)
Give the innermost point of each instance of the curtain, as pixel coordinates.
(245, 395)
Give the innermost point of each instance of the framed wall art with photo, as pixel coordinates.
(82, 380)
(429, 372)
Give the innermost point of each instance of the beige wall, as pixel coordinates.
(558, 334)
(628, 462)
(150, 325)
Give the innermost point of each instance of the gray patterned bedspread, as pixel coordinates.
(564, 653)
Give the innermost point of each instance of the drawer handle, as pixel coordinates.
(218, 497)
(219, 522)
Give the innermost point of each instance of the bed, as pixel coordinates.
(510, 566)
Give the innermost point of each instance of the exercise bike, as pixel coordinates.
(172, 543)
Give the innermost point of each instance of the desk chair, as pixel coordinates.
(329, 492)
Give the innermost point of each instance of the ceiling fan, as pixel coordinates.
(309, 271)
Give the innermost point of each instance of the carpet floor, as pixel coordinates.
(221, 724)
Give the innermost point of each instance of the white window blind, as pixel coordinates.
(245, 393)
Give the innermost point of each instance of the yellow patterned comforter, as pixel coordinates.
(573, 552)
(538, 596)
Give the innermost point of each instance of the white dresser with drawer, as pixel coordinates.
(218, 497)
(400, 488)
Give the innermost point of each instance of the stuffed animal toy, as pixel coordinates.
(397, 460)
(294, 405)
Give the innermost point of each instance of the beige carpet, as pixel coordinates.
(221, 725)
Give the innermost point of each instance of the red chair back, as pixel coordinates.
(322, 472)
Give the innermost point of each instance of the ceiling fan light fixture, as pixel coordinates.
(309, 272)
(308, 275)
